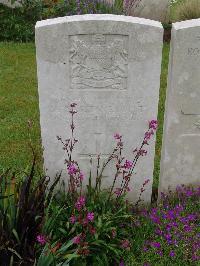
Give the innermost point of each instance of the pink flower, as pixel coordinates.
(128, 189)
(117, 191)
(147, 135)
(128, 164)
(125, 244)
(72, 169)
(41, 239)
(142, 153)
(82, 200)
(153, 124)
(72, 219)
(80, 203)
(77, 239)
(90, 216)
(78, 206)
(117, 136)
(81, 176)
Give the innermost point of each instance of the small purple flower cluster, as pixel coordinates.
(176, 228)
(90, 6)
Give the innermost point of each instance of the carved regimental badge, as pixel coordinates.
(98, 62)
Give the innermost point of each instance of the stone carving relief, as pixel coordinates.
(197, 124)
(98, 61)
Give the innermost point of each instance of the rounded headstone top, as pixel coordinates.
(186, 24)
(98, 17)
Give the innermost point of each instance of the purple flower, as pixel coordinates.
(145, 249)
(121, 263)
(146, 264)
(90, 216)
(172, 253)
(159, 252)
(41, 239)
(156, 244)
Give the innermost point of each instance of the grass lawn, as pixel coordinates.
(19, 103)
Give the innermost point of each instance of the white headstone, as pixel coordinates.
(110, 66)
(181, 143)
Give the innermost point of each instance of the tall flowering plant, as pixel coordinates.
(95, 220)
(124, 167)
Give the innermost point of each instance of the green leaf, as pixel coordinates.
(16, 235)
(65, 247)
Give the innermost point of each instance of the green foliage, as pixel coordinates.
(22, 204)
(186, 10)
(18, 24)
(14, 25)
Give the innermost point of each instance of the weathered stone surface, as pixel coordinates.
(110, 66)
(181, 143)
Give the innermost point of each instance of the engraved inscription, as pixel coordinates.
(194, 51)
(197, 124)
(98, 138)
(98, 61)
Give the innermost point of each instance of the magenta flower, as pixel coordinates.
(117, 191)
(77, 239)
(81, 176)
(72, 169)
(72, 219)
(147, 136)
(80, 203)
(153, 124)
(78, 206)
(125, 244)
(128, 164)
(41, 239)
(90, 216)
(117, 136)
(82, 200)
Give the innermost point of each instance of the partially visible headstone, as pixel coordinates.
(181, 143)
(150, 9)
(10, 4)
(110, 66)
